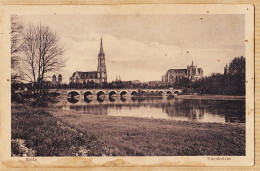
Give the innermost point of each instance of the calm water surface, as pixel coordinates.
(221, 111)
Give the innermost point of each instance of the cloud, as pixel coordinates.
(145, 46)
(135, 60)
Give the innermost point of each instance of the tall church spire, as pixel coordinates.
(101, 69)
(101, 48)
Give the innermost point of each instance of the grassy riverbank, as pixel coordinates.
(52, 132)
(35, 132)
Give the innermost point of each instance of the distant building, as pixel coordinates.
(118, 80)
(173, 75)
(81, 77)
(99, 76)
(135, 82)
(54, 80)
(192, 72)
(155, 83)
(131, 82)
(60, 78)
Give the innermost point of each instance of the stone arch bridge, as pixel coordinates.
(116, 92)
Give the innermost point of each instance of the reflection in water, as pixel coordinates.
(133, 98)
(123, 99)
(73, 100)
(100, 99)
(88, 100)
(223, 111)
(112, 98)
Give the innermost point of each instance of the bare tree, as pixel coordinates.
(43, 55)
(16, 44)
(30, 49)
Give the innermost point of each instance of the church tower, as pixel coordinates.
(101, 69)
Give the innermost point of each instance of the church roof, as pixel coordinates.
(86, 75)
(177, 70)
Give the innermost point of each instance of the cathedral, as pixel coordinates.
(99, 76)
(192, 72)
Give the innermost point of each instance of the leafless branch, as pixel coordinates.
(43, 53)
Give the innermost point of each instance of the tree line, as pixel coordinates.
(232, 82)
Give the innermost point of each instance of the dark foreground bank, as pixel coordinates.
(52, 132)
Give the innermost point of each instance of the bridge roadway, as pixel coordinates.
(115, 92)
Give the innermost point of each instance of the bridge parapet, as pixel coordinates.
(129, 92)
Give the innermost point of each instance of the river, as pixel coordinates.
(193, 110)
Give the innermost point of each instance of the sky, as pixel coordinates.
(144, 47)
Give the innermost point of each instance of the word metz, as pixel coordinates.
(31, 159)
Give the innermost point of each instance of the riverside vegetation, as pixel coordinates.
(49, 131)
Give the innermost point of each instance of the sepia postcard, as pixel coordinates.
(127, 85)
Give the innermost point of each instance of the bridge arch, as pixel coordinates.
(72, 94)
(133, 93)
(176, 92)
(87, 100)
(123, 93)
(111, 99)
(87, 93)
(87, 96)
(111, 93)
(100, 93)
(143, 92)
(123, 99)
(157, 93)
(152, 93)
(168, 92)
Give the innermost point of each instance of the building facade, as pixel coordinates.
(192, 72)
(99, 76)
(172, 75)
